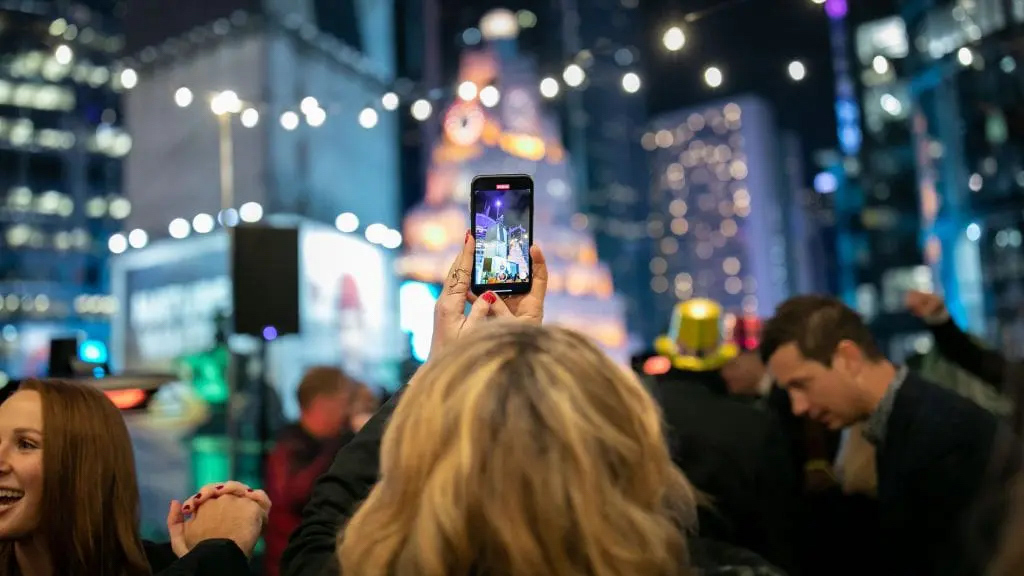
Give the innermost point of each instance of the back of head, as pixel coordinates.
(816, 325)
(90, 505)
(524, 451)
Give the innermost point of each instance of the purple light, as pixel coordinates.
(498, 203)
(836, 9)
(269, 333)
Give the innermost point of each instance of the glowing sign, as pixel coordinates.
(416, 313)
(127, 399)
(93, 352)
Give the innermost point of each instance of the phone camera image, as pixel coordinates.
(501, 228)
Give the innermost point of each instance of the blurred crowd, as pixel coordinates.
(520, 449)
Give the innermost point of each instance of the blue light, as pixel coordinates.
(93, 352)
(826, 183)
(416, 313)
(973, 232)
(270, 333)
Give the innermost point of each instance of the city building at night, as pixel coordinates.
(715, 217)
(969, 126)
(304, 121)
(503, 128)
(62, 144)
(879, 210)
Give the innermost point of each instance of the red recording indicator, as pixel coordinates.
(503, 186)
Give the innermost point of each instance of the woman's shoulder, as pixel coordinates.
(711, 558)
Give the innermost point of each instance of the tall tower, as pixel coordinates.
(62, 144)
(512, 133)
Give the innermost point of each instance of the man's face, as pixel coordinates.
(334, 409)
(828, 395)
(743, 375)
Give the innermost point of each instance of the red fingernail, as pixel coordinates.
(220, 487)
(469, 235)
(199, 495)
(489, 297)
(186, 507)
(250, 490)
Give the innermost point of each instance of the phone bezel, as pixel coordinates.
(489, 183)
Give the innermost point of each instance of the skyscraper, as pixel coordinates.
(62, 141)
(308, 134)
(715, 218)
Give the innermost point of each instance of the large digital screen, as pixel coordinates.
(502, 230)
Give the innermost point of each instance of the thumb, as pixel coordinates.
(176, 528)
(479, 311)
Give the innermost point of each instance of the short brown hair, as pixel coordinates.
(816, 324)
(322, 381)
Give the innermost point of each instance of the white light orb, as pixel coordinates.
(228, 218)
(467, 90)
(289, 120)
(376, 233)
(797, 71)
(389, 101)
(129, 78)
(250, 117)
(713, 77)
(574, 75)
(490, 96)
(674, 39)
(391, 240)
(226, 102)
(368, 118)
(183, 97)
(631, 82)
(250, 212)
(965, 56)
(549, 87)
(346, 222)
(316, 118)
(179, 228)
(421, 109)
(117, 243)
(138, 238)
(203, 223)
(499, 24)
(63, 55)
(308, 104)
(880, 64)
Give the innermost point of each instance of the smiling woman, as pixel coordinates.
(69, 500)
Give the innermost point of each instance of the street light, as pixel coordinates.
(713, 77)
(226, 102)
(674, 39)
(250, 117)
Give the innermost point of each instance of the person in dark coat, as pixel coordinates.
(731, 450)
(942, 460)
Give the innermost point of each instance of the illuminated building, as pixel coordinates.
(969, 123)
(307, 71)
(62, 142)
(878, 208)
(716, 221)
(513, 136)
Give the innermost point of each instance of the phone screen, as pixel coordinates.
(502, 216)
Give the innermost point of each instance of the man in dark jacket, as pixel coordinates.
(939, 455)
(304, 451)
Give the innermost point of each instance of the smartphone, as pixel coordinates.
(501, 215)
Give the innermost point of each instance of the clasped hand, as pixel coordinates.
(230, 510)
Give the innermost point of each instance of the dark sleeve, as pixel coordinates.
(311, 548)
(776, 489)
(954, 344)
(209, 557)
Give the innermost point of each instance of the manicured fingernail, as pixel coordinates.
(186, 507)
(489, 297)
(220, 487)
(250, 490)
(198, 495)
(469, 235)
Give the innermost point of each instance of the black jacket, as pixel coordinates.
(311, 550)
(943, 469)
(208, 558)
(739, 455)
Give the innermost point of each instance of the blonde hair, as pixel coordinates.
(524, 451)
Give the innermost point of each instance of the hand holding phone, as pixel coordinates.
(501, 214)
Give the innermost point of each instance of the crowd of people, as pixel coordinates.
(520, 449)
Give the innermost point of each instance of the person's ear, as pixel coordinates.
(848, 358)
